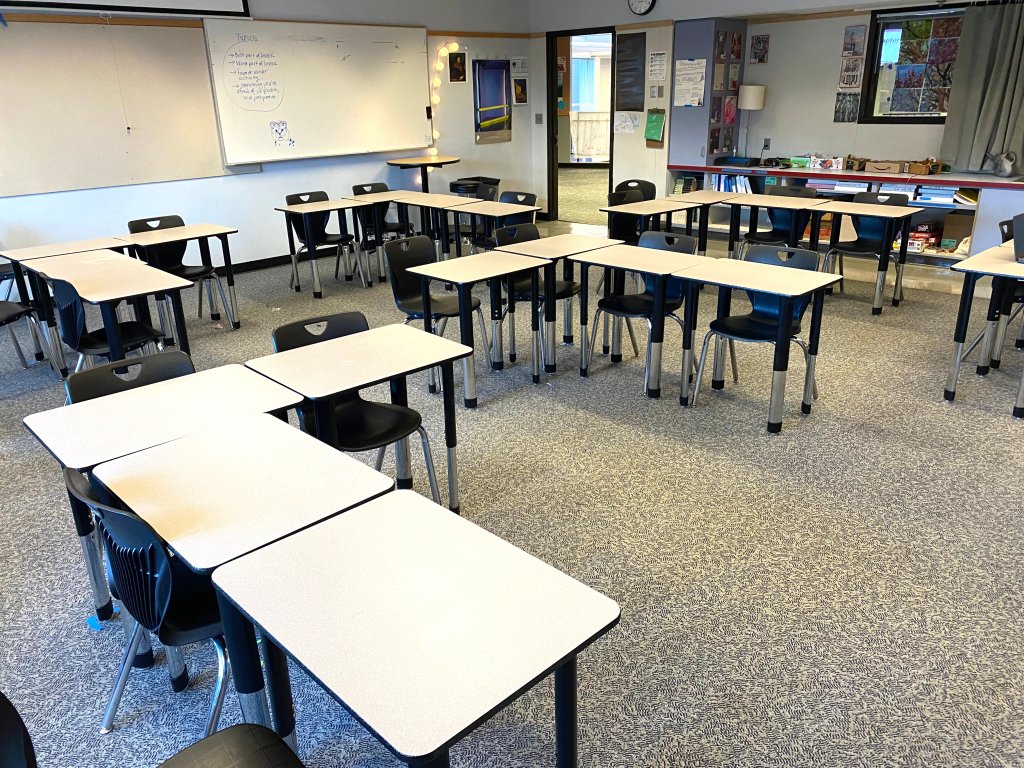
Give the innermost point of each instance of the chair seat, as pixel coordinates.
(749, 327)
(240, 746)
(13, 310)
(192, 272)
(335, 238)
(564, 289)
(440, 306)
(363, 425)
(770, 237)
(134, 335)
(192, 615)
(635, 305)
(859, 247)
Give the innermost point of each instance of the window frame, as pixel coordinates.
(869, 89)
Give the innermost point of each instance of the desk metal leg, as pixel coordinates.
(279, 690)
(883, 266)
(229, 275)
(689, 321)
(991, 326)
(702, 230)
(652, 370)
(1018, 406)
(718, 369)
(584, 299)
(379, 214)
(204, 252)
(179, 321)
(566, 715)
(450, 436)
(1005, 310)
(550, 364)
(497, 332)
(963, 318)
(441, 761)
(897, 291)
(567, 275)
(240, 636)
(37, 319)
(778, 396)
(734, 229)
(89, 539)
(307, 225)
(817, 307)
(606, 345)
(466, 332)
(113, 330)
(534, 325)
(618, 288)
(403, 460)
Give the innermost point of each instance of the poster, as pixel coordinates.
(736, 49)
(492, 101)
(850, 72)
(520, 65)
(721, 43)
(729, 116)
(718, 78)
(853, 40)
(690, 82)
(847, 106)
(520, 90)
(561, 65)
(657, 66)
(626, 122)
(734, 77)
(758, 49)
(716, 109)
(457, 67)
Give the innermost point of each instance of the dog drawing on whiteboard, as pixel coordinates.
(282, 136)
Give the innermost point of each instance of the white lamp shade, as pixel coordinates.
(751, 97)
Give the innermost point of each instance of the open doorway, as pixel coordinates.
(580, 124)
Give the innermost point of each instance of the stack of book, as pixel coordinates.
(935, 194)
(964, 196)
(851, 187)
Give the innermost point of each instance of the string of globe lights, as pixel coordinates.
(440, 63)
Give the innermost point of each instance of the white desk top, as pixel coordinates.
(223, 493)
(85, 434)
(359, 360)
(415, 162)
(636, 259)
(559, 246)
(176, 234)
(703, 197)
(775, 201)
(478, 266)
(381, 197)
(490, 208)
(650, 207)
(997, 261)
(868, 209)
(106, 275)
(752, 276)
(435, 200)
(323, 206)
(422, 623)
(59, 249)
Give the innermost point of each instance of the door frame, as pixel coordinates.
(552, 109)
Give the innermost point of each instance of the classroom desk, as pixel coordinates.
(619, 259)
(704, 199)
(891, 214)
(390, 353)
(998, 263)
(201, 233)
(492, 213)
(380, 202)
(755, 202)
(105, 278)
(651, 209)
(557, 248)
(784, 282)
(39, 295)
(307, 211)
(424, 164)
(489, 266)
(420, 623)
(435, 207)
(85, 434)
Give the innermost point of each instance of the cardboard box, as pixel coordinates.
(927, 227)
(923, 167)
(854, 163)
(884, 166)
(827, 163)
(800, 162)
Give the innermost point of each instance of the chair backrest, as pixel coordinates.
(137, 558)
(166, 255)
(516, 233)
(366, 189)
(782, 219)
(15, 744)
(766, 304)
(624, 226)
(668, 241)
(518, 198)
(315, 329)
(487, 192)
(646, 188)
(401, 255)
(872, 228)
(70, 313)
(1006, 230)
(318, 221)
(102, 380)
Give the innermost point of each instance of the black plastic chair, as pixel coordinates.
(344, 245)
(407, 288)
(762, 322)
(169, 257)
(7, 276)
(361, 425)
(239, 746)
(870, 234)
(518, 198)
(92, 344)
(476, 238)
(391, 228)
(157, 590)
(781, 220)
(646, 188)
(103, 380)
(622, 226)
(10, 313)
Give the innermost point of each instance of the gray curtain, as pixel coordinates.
(986, 101)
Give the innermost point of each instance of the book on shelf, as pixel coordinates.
(966, 196)
(851, 186)
(897, 189)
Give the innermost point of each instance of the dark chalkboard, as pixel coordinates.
(630, 71)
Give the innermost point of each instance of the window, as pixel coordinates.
(909, 60)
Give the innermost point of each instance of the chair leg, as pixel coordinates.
(224, 300)
(428, 459)
(17, 346)
(220, 687)
(483, 332)
(593, 335)
(199, 304)
(632, 337)
(511, 317)
(732, 359)
(700, 365)
(841, 282)
(380, 458)
(814, 380)
(122, 679)
(442, 324)
(1019, 341)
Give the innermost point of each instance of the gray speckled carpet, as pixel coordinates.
(847, 593)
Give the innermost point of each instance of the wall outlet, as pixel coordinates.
(538, 118)
(767, 144)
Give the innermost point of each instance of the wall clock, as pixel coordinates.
(641, 7)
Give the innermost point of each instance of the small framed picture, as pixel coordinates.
(520, 90)
(736, 49)
(721, 45)
(853, 40)
(758, 49)
(850, 73)
(457, 67)
(734, 77)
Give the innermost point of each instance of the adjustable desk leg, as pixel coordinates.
(550, 364)
(963, 317)
(584, 309)
(403, 463)
(450, 437)
(689, 321)
(652, 369)
(991, 325)
(466, 331)
(817, 307)
(204, 252)
(781, 365)
(307, 225)
(229, 275)
(883, 266)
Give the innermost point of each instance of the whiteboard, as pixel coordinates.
(176, 7)
(70, 92)
(287, 90)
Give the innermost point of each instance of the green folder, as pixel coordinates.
(655, 129)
